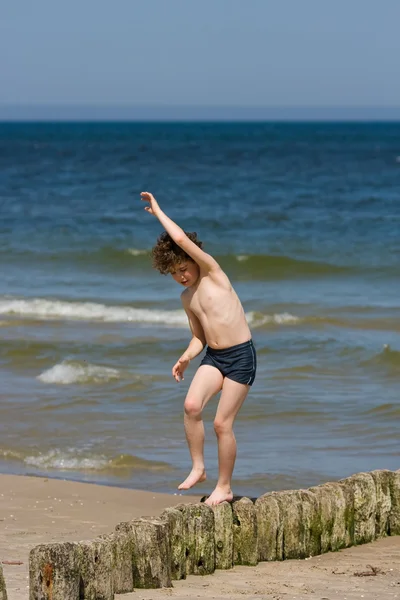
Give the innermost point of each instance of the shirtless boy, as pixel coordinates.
(216, 319)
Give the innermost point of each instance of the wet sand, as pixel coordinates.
(36, 510)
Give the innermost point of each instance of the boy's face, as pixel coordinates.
(186, 273)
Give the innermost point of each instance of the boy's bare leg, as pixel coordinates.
(232, 398)
(206, 383)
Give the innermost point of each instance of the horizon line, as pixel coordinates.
(192, 113)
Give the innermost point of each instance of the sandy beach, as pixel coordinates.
(36, 510)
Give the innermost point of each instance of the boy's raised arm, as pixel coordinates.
(204, 260)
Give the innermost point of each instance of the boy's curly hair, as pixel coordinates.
(166, 253)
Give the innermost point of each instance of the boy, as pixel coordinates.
(216, 318)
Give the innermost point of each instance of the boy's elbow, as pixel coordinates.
(180, 238)
(210, 263)
(201, 339)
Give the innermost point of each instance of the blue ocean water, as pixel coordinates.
(304, 218)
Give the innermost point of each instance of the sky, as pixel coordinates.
(200, 53)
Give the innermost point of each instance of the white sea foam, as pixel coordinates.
(242, 257)
(136, 252)
(10, 454)
(81, 459)
(74, 372)
(89, 311)
(284, 318)
(259, 319)
(68, 459)
(40, 308)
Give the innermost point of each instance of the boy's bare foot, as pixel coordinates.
(195, 476)
(219, 495)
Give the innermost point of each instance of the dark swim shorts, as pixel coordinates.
(238, 363)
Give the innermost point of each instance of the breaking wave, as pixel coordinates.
(69, 372)
(76, 459)
(43, 309)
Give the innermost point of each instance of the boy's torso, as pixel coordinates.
(219, 310)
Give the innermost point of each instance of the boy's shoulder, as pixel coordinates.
(185, 296)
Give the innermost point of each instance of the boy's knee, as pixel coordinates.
(192, 408)
(222, 426)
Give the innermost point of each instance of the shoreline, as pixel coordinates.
(57, 475)
(35, 510)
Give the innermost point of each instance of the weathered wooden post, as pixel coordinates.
(394, 519)
(244, 533)
(360, 490)
(151, 552)
(332, 510)
(299, 534)
(199, 528)
(122, 572)
(223, 535)
(268, 519)
(54, 572)
(348, 494)
(383, 501)
(95, 559)
(174, 518)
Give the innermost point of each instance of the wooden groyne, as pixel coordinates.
(151, 552)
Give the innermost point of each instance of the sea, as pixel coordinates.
(305, 220)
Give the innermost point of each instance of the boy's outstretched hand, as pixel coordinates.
(179, 368)
(152, 207)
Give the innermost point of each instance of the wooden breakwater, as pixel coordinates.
(151, 552)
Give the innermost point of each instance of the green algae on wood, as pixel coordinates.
(54, 572)
(267, 514)
(223, 536)
(199, 528)
(3, 591)
(244, 533)
(121, 547)
(332, 510)
(362, 492)
(174, 518)
(383, 501)
(299, 534)
(96, 569)
(394, 519)
(348, 493)
(151, 553)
